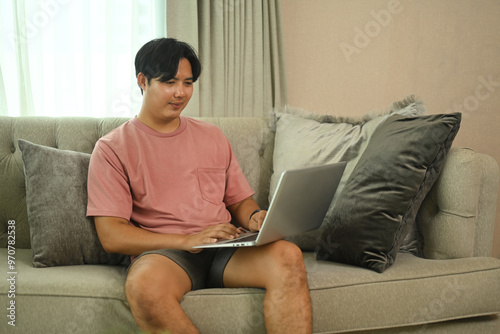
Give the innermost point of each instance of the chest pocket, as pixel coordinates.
(212, 183)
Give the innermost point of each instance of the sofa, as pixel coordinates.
(451, 286)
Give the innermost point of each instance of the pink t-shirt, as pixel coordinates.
(178, 183)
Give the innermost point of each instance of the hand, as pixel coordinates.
(256, 221)
(211, 235)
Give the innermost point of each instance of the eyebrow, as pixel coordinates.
(187, 79)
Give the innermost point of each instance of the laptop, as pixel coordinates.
(300, 203)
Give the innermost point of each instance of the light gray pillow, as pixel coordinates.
(306, 139)
(56, 198)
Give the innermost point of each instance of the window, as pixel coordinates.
(74, 58)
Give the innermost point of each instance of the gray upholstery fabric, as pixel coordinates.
(67, 133)
(488, 324)
(69, 299)
(56, 197)
(414, 291)
(456, 206)
(90, 298)
(379, 203)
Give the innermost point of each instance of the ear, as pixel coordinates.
(142, 81)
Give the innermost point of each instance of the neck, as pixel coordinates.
(164, 126)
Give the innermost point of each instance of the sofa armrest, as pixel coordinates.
(457, 218)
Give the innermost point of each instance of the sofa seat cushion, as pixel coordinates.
(67, 299)
(346, 298)
(97, 281)
(416, 292)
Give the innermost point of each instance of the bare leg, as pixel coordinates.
(155, 286)
(280, 269)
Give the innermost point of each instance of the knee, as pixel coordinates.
(287, 252)
(144, 303)
(154, 287)
(147, 284)
(288, 262)
(140, 289)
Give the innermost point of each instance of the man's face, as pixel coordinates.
(163, 102)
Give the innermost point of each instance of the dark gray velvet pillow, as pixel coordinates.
(56, 197)
(380, 200)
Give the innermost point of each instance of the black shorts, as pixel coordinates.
(205, 269)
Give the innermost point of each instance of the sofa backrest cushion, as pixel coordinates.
(251, 139)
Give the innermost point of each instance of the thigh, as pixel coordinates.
(257, 266)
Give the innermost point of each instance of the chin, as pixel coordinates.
(172, 113)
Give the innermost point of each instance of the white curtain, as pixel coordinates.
(74, 58)
(240, 44)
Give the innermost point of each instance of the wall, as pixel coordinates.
(350, 57)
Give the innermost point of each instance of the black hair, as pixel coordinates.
(159, 59)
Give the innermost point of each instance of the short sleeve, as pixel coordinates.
(108, 187)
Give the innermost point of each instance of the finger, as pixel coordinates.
(219, 235)
(210, 240)
(229, 228)
(225, 231)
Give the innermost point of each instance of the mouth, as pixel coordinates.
(176, 105)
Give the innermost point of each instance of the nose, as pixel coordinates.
(179, 92)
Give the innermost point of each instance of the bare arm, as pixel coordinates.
(118, 236)
(242, 211)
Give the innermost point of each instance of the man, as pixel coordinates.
(163, 183)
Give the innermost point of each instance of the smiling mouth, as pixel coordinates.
(176, 105)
